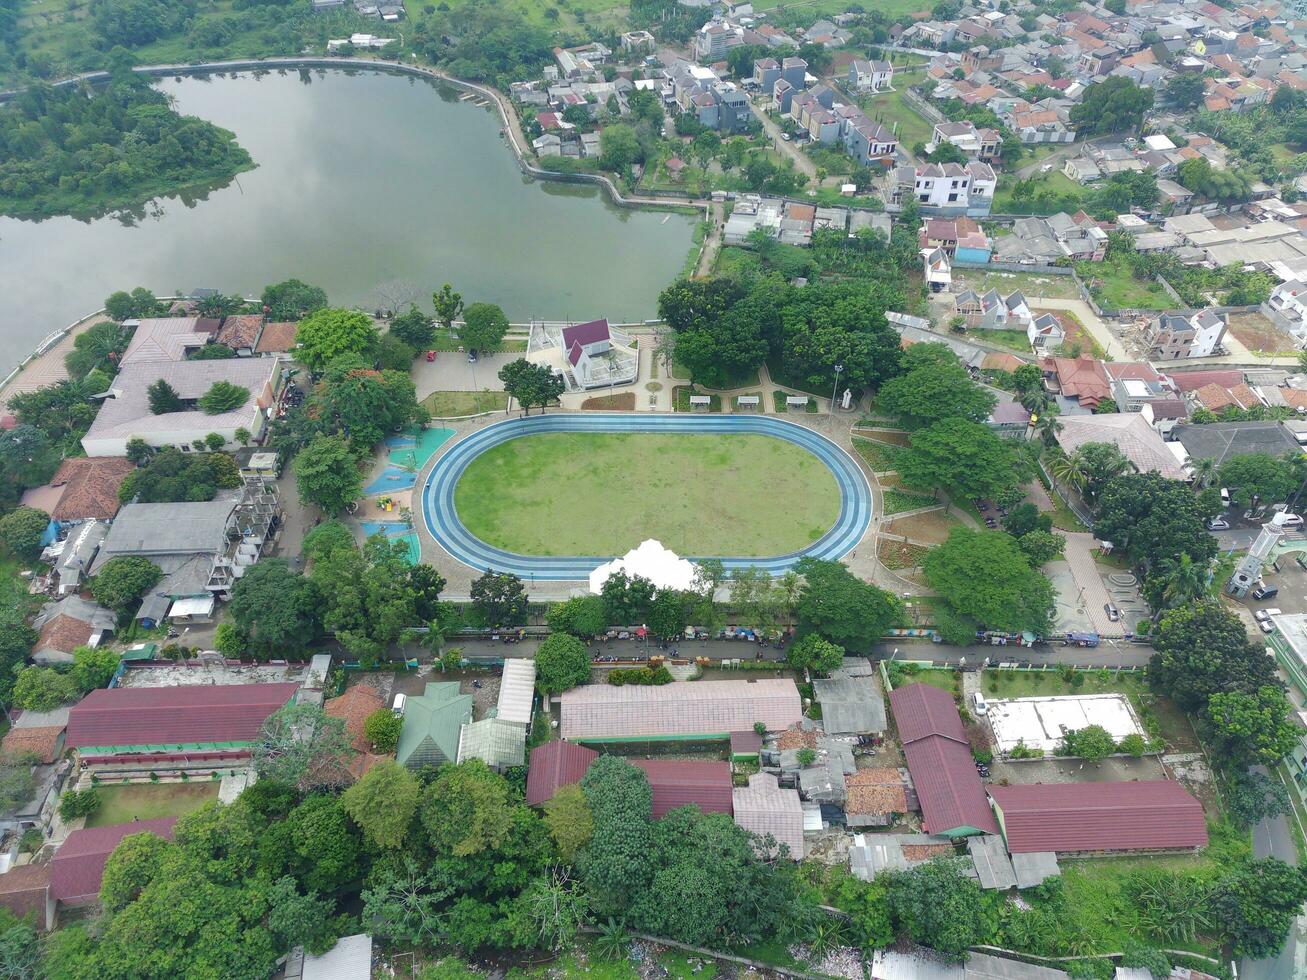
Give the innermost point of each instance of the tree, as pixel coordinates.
(1144, 957)
(371, 596)
(99, 346)
(1148, 517)
(935, 386)
(1098, 463)
(627, 598)
(1258, 478)
(1185, 90)
(619, 148)
(77, 803)
(720, 351)
(275, 608)
(230, 640)
(1256, 902)
(163, 398)
(1176, 582)
(484, 326)
(328, 474)
(1024, 518)
(414, 328)
(16, 640)
(292, 299)
(27, 458)
(448, 305)
(500, 599)
(126, 306)
(222, 397)
(841, 607)
(562, 662)
(670, 614)
(382, 729)
(139, 451)
(984, 577)
(1112, 106)
(364, 404)
(1041, 547)
(43, 689)
(616, 865)
(383, 803)
(811, 652)
(1201, 650)
(1251, 797)
(123, 580)
(1251, 727)
(936, 905)
(173, 476)
(466, 809)
(1093, 743)
(22, 529)
(550, 913)
(531, 384)
(302, 746)
(582, 616)
(94, 667)
(326, 334)
(567, 815)
(965, 457)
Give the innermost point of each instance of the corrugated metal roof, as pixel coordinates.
(432, 724)
(78, 865)
(676, 782)
(349, 959)
(553, 766)
(921, 710)
(1126, 816)
(764, 808)
(679, 708)
(495, 742)
(175, 715)
(993, 866)
(517, 691)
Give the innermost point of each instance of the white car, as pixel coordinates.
(1046, 168)
(1218, 524)
(1262, 615)
(981, 707)
(1267, 626)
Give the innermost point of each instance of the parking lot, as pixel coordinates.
(452, 372)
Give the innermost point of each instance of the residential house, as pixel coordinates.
(939, 761)
(876, 797)
(715, 39)
(349, 959)
(984, 145)
(72, 622)
(937, 269)
(126, 414)
(674, 782)
(949, 189)
(25, 892)
(765, 73)
(1039, 123)
(1175, 336)
(354, 707)
(77, 869)
(638, 42)
(1081, 381)
(677, 711)
(1154, 816)
(962, 238)
(71, 558)
(851, 700)
(167, 338)
(39, 734)
(764, 808)
(1222, 440)
(1045, 333)
(1009, 419)
(277, 337)
(1287, 309)
(991, 311)
(864, 139)
(433, 724)
(1131, 433)
(873, 854)
(1082, 170)
(82, 489)
(870, 76)
(241, 333)
(1043, 241)
(130, 732)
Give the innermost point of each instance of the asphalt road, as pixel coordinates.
(1272, 838)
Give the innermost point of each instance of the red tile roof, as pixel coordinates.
(23, 890)
(353, 707)
(676, 782)
(278, 337)
(64, 634)
(1082, 378)
(1069, 817)
(241, 330)
(44, 743)
(90, 487)
(553, 766)
(175, 715)
(1133, 371)
(1193, 380)
(591, 332)
(939, 760)
(78, 865)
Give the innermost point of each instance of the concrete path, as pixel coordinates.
(1096, 327)
(1080, 548)
(1272, 838)
(785, 148)
(48, 368)
(713, 243)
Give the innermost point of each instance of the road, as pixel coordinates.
(787, 148)
(1272, 838)
(713, 243)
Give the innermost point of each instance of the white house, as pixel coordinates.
(1287, 309)
(586, 355)
(978, 144)
(870, 76)
(945, 189)
(1045, 333)
(125, 413)
(990, 311)
(937, 268)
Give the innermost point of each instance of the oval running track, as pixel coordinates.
(444, 526)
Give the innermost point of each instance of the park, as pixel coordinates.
(553, 496)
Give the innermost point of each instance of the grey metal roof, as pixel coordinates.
(1221, 440)
(1033, 867)
(992, 864)
(75, 607)
(850, 703)
(498, 744)
(161, 529)
(871, 855)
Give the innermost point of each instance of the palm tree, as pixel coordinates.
(1048, 425)
(1069, 470)
(1181, 579)
(1204, 472)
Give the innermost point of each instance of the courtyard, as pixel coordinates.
(602, 493)
(150, 801)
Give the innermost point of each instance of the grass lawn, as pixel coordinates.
(140, 801)
(1031, 285)
(880, 456)
(446, 341)
(1054, 182)
(1013, 339)
(455, 404)
(941, 678)
(697, 494)
(900, 554)
(897, 501)
(778, 398)
(1114, 285)
(681, 400)
(889, 108)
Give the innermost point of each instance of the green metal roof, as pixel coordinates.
(432, 724)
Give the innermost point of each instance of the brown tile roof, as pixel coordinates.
(878, 790)
(90, 487)
(924, 852)
(796, 738)
(23, 890)
(1215, 397)
(78, 865)
(44, 743)
(1193, 380)
(1294, 398)
(240, 330)
(1082, 378)
(1001, 362)
(353, 707)
(553, 766)
(63, 633)
(277, 337)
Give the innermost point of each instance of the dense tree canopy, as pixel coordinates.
(934, 386)
(327, 474)
(364, 404)
(965, 458)
(562, 662)
(1149, 518)
(123, 580)
(985, 577)
(1112, 106)
(327, 333)
(172, 476)
(275, 608)
(842, 608)
(292, 299)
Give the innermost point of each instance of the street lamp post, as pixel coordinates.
(835, 390)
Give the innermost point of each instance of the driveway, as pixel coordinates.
(1080, 547)
(801, 161)
(452, 372)
(1096, 327)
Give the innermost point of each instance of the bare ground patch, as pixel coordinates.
(930, 528)
(1257, 333)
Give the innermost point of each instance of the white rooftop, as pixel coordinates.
(1040, 723)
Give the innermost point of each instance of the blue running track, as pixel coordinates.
(443, 524)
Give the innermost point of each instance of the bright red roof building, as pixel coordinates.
(78, 865)
(174, 716)
(1152, 815)
(939, 760)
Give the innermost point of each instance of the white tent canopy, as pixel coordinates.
(652, 561)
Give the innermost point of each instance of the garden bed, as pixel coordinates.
(455, 404)
(625, 402)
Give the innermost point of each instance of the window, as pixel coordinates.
(952, 198)
(925, 198)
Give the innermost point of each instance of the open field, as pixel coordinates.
(1031, 285)
(1259, 335)
(604, 493)
(455, 404)
(1114, 285)
(141, 801)
(932, 527)
(891, 109)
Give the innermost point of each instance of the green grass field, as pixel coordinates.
(123, 804)
(1113, 284)
(889, 108)
(456, 404)
(890, 8)
(604, 493)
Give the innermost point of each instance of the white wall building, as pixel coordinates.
(1287, 309)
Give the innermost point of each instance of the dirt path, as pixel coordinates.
(785, 148)
(713, 243)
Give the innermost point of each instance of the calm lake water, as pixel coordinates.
(377, 188)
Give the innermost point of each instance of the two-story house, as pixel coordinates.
(870, 76)
(1287, 309)
(1173, 336)
(985, 145)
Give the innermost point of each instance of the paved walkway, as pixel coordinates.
(48, 368)
(713, 243)
(1080, 548)
(802, 162)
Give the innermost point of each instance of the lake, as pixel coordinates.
(379, 188)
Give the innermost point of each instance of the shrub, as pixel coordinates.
(1134, 745)
(655, 676)
(21, 531)
(79, 803)
(222, 397)
(382, 729)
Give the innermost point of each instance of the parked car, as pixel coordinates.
(1262, 615)
(1291, 520)
(1113, 613)
(1264, 592)
(785, 137)
(1266, 626)
(1218, 524)
(979, 700)
(1225, 496)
